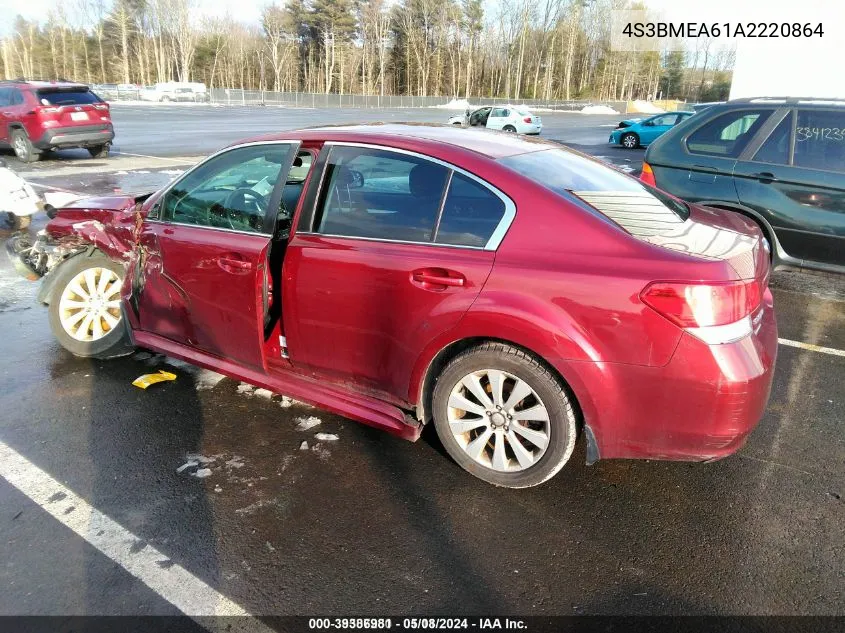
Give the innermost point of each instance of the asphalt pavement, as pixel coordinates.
(370, 524)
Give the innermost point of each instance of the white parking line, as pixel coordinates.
(172, 582)
(171, 160)
(811, 347)
(54, 188)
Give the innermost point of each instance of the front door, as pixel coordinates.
(202, 261)
(653, 128)
(397, 250)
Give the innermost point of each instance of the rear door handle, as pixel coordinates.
(705, 168)
(234, 264)
(438, 277)
(764, 176)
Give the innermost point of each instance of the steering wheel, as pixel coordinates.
(244, 199)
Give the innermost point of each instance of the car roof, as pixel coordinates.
(486, 142)
(44, 83)
(804, 102)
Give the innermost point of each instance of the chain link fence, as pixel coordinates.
(236, 96)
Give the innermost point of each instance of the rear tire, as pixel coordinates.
(99, 151)
(534, 435)
(84, 309)
(24, 149)
(630, 140)
(509, 128)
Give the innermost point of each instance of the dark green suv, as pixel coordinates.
(779, 161)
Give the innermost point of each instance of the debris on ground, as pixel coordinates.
(246, 389)
(202, 473)
(218, 489)
(327, 437)
(189, 464)
(303, 446)
(263, 393)
(235, 462)
(286, 402)
(202, 459)
(142, 382)
(269, 547)
(207, 379)
(307, 423)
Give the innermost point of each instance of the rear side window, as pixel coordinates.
(820, 140)
(728, 134)
(66, 97)
(381, 194)
(775, 149)
(470, 215)
(5, 96)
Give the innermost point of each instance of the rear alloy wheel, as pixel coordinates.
(99, 151)
(503, 416)
(85, 313)
(630, 140)
(23, 147)
(509, 128)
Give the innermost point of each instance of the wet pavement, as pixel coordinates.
(369, 524)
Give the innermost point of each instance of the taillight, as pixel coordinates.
(527, 119)
(47, 109)
(713, 312)
(647, 175)
(101, 106)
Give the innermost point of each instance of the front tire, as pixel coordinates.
(24, 149)
(630, 140)
(84, 310)
(503, 416)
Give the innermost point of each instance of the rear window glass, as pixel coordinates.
(67, 97)
(630, 203)
(471, 213)
(728, 134)
(820, 140)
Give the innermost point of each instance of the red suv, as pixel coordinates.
(39, 116)
(513, 292)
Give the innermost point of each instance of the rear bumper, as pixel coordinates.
(700, 406)
(80, 136)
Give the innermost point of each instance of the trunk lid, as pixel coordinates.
(707, 233)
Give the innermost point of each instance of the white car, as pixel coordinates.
(507, 118)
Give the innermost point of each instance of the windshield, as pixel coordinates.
(566, 172)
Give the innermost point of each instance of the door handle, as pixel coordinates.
(234, 265)
(438, 277)
(764, 176)
(8, 114)
(705, 168)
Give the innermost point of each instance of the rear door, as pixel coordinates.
(395, 252)
(795, 178)
(203, 249)
(498, 118)
(6, 114)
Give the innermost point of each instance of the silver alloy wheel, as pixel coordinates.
(499, 420)
(20, 146)
(89, 307)
(629, 141)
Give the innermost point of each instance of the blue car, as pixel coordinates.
(633, 133)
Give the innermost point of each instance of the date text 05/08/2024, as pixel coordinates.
(722, 29)
(413, 624)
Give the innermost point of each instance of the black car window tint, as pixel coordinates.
(381, 194)
(727, 134)
(775, 149)
(471, 213)
(5, 96)
(820, 140)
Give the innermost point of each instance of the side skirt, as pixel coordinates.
(351, 405)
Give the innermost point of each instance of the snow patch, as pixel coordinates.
(307, 423)
(264, 393)
(303, 446)
(172, 172)
(246, 389)
(454, 104)
(207, 379)
(326, 437)
(202, 473)
(186, 465)
(598, 109)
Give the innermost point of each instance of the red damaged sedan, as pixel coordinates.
(512, 292)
